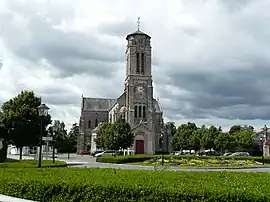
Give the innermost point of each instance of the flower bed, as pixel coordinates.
(71, 184)
(202, 162)
(142, 158)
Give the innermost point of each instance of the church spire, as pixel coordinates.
(138, 23)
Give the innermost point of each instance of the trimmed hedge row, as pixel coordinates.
(71, 184)
(141, 158)
(32, 164)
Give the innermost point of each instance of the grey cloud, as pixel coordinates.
(71, 53)
(119, 29)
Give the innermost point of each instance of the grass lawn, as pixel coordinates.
(11, 163)
(76, 184)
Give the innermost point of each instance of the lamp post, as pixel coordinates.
(263, 139)
(162, 157)
(53, 142)
(42, 112)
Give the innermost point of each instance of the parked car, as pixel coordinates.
(105, 153)
(240, 154)
(227, 154)
(96, 152)
(84, 153)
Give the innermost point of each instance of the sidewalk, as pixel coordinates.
(4, 198)
(70, 162)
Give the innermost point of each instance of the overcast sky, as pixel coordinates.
(211, 59)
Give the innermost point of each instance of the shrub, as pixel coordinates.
(141, 158)
(125, 159)
(71, 184)
(32, 164)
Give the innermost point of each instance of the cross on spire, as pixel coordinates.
(138, 22)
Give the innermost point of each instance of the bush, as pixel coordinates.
(125, 159)
(71, 184)
(32, 164)
(142, 158)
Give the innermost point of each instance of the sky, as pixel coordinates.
(210, 58)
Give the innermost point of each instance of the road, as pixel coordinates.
(86, 161)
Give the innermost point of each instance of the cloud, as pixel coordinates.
(210, 58)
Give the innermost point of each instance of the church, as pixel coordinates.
(136, 104)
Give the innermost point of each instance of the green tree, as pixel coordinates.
(234, 129)
(115, 136)
(4, 143)
(124, 138)
(20, 114)
(224, 141)
(104, 131)
(210, 136)
(59, 134)
(71, 139)
(182, 137)
(244, 140)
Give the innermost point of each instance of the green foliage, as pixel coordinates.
(133, 185)
(20, 119)
(141, 158)
(32, 164)
(62, 141)
(115, 136)
(190, 137)
(125, 159)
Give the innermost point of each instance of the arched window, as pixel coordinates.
(138, 63)
(135, 111)
(142, 63)
(89, 124)
(96, 123)
(140, 111)
(144, 112)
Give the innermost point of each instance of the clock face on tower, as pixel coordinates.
(140, 89)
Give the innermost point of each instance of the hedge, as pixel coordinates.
(32, 164)
(76, 184)
(141, 158)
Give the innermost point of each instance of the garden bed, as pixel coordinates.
(205, 163)
(75, 184)
(31, 164)
(143, 158)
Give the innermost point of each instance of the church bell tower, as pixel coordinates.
(138, 82)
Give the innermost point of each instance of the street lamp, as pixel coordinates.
(263, 139)
(42, 112)
(162, 157)
(53, 143)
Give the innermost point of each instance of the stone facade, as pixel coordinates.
(136, 104)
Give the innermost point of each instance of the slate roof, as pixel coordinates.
(138, 32)
(156, 105)
(98, 103)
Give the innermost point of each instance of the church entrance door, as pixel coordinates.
(139, 147)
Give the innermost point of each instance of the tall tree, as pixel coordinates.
(20, 114)
(115, 136)
(181, 138)
(59, 134)
(212, 134)
(123, 136)
(224, 141)
(71, 139)
(103, 132)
